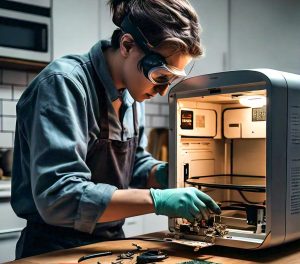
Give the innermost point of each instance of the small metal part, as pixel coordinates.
(206, 229)
(217, 230)
(138, 248)
(128, 255)
(217, 219)
(151, 256)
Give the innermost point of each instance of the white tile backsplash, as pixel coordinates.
(160, 121)
(152, 109)
(6, 140)
(5, 92)
(14, 77)
(12, 85)
(164, 109)
(157, 113)
(9, 108)
(159, 99)
(148, 120)
(17, 91)
(9, 124)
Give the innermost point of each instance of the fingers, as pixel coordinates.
(203, 212)
(214, 207)
(198, 210)
(209, 202)
(192, 212)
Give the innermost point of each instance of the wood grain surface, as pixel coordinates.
(288, 253)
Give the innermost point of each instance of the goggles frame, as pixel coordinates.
(165, 67)
(152, 61)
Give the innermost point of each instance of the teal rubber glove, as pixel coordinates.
(161, 175)
(188, 203)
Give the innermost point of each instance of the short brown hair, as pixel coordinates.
(172, 23)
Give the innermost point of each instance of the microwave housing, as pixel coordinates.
(26, 30)
(245, 158)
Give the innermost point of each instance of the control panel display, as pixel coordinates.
(186, 119)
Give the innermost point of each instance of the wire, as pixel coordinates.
(245, 198)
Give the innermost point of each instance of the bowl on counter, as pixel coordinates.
(6, 161)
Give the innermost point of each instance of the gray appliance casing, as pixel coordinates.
(282, 143)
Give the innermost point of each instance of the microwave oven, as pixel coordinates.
(236, 136)
(26, 30)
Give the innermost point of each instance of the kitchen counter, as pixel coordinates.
(5, 188)
(289, 253)
(10, 224)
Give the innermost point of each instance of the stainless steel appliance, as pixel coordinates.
(236, 136)
(26, 30)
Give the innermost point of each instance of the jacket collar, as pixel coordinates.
(101, 68)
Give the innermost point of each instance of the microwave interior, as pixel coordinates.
(221, 150)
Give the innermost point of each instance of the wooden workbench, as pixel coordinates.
(288, 253)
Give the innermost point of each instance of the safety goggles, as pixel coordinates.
(154, 65)
(163, 74)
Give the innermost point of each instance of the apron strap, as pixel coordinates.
(135, 120)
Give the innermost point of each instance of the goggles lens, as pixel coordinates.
(164, 75)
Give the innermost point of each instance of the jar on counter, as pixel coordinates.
(6, 161)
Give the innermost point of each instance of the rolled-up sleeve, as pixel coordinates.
(58, 138)
(143, 159)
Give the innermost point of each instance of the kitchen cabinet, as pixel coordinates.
(8, 242)
(75, 26)
(10, 227)
(248, 34)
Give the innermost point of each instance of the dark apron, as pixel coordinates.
(111, 162)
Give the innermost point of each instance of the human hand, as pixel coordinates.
(188, 203)
(161, 175)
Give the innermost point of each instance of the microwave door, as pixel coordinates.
(25, 36)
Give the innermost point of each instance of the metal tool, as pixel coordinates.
(100, 254)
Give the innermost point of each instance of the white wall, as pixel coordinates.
(106, 27)
(213, 16)
(75, 26)
(265, 34)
